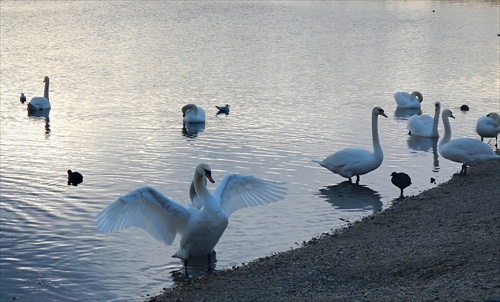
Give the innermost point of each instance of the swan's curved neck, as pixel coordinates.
(435, 123)
(200, 187)
(377, 149)
(447, 131)
(46, 91)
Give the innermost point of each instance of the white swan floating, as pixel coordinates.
(200, 227)
(425, 125)
(467, 151)
(489, 126)
(193, 114)
(353, 161)
(41, 103)
(407, 100)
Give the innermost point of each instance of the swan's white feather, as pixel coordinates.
(193, 114)
(406, 100)
(350, 162)
(425, 125)
(467, 150)
(148, 209)
(241, 191)
(488, 126)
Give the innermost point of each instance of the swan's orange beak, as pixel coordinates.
(209, 176)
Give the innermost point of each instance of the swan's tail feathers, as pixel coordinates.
(319, 162)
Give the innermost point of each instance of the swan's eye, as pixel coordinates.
(208, 173)
(380, 111)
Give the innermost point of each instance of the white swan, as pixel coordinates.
(425, 125)
(467, 151)
(407, 100)
(193, 114)
(353, 161)
(200, 229)
(489, 126)
(38, 102)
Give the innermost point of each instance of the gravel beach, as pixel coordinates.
(441, 245)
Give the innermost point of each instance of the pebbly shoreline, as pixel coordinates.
(441, 245)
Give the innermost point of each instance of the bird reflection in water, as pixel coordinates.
(346, 195)
(197, 268)
(405, 113)
(191, 130)
(420, 143)
(39, 114)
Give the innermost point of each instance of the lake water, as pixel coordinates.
(301, 79)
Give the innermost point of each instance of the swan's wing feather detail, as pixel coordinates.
(241, 191)
(148, 209)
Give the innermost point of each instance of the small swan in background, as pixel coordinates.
(489, 126)
(41, 103)
(193, 114)
(223, 109)
(22, 98)
(407, 100)
(467, 151)
(401, 180)
(200, 228)
(425, 125)
(353, 161)
(74, 178)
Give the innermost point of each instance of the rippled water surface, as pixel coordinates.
(301, 79)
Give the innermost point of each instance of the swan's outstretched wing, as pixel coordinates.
(242, 191)
(148, 209)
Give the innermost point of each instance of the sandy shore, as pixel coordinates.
(441, 245)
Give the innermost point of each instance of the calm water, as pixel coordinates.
(301, 79)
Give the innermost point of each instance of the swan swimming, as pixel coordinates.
(425, 125)
(353, 161)
(489, 126)
(407, 100)
(200, 228)
(38, 102)
(193, 114)
(467, 151)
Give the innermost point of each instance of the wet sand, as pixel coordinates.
(441, 245)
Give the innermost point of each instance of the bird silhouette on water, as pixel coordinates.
(74, 178)
(401, 180)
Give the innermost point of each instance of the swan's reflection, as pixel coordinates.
(42, 113)
(405, 113)
(191, 130)
(420, 143)
(197, 267)
(346, 195)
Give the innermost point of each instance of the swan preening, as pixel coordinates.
(407, 100)
(193, 114)
(425, 125)
(353, 161)
(38, 102)
(199, 226)
(467, 151)
(489, 126)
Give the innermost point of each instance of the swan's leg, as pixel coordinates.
(464, 170)
(357, 179)
(401, 194)
(186, 266)
(209, 258)
(350, 180)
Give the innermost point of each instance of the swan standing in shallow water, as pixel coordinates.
(38, 102)
(200, 229)
(425, 125)
(353, 161)
(467, 151)
(193, 114)
(489, 126)
(407, 100)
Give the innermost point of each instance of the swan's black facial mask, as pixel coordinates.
(208, 175)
